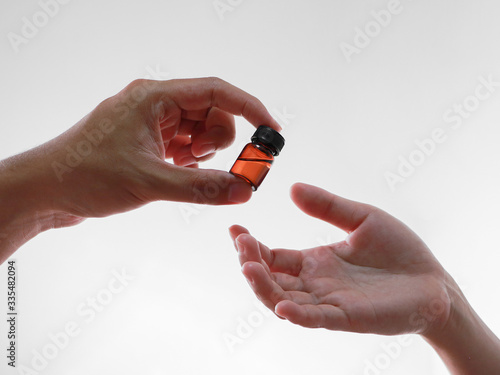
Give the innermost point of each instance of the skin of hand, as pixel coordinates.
(381, 279)
(114, 159)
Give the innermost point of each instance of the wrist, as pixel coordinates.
(460, 317)
(24, 201)
(464, 342)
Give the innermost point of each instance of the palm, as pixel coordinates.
(372, 299)
(382, 279)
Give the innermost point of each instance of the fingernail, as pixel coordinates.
(239, 192)
(206, 149)
(280, 128)
(276, 312)
(249, 279)
(240, 246)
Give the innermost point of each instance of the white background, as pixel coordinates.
(346, 125)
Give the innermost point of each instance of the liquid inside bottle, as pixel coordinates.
(257, 157)
(253, 164)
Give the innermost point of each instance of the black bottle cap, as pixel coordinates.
(270, 138)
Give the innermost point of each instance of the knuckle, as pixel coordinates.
(214, 81)
(215, 84)
(135, 83)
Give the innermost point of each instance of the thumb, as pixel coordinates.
(343, 213)
(202, 186)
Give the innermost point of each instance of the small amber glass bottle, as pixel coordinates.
(256, 158)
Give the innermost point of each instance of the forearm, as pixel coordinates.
(466, 345)
(24, 207)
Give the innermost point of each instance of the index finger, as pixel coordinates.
(202, 93)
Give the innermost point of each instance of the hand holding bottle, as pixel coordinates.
(114, 159)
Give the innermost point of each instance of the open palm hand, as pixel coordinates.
(381, 279)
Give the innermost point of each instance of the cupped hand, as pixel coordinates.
(381, 279)
(114, 159)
